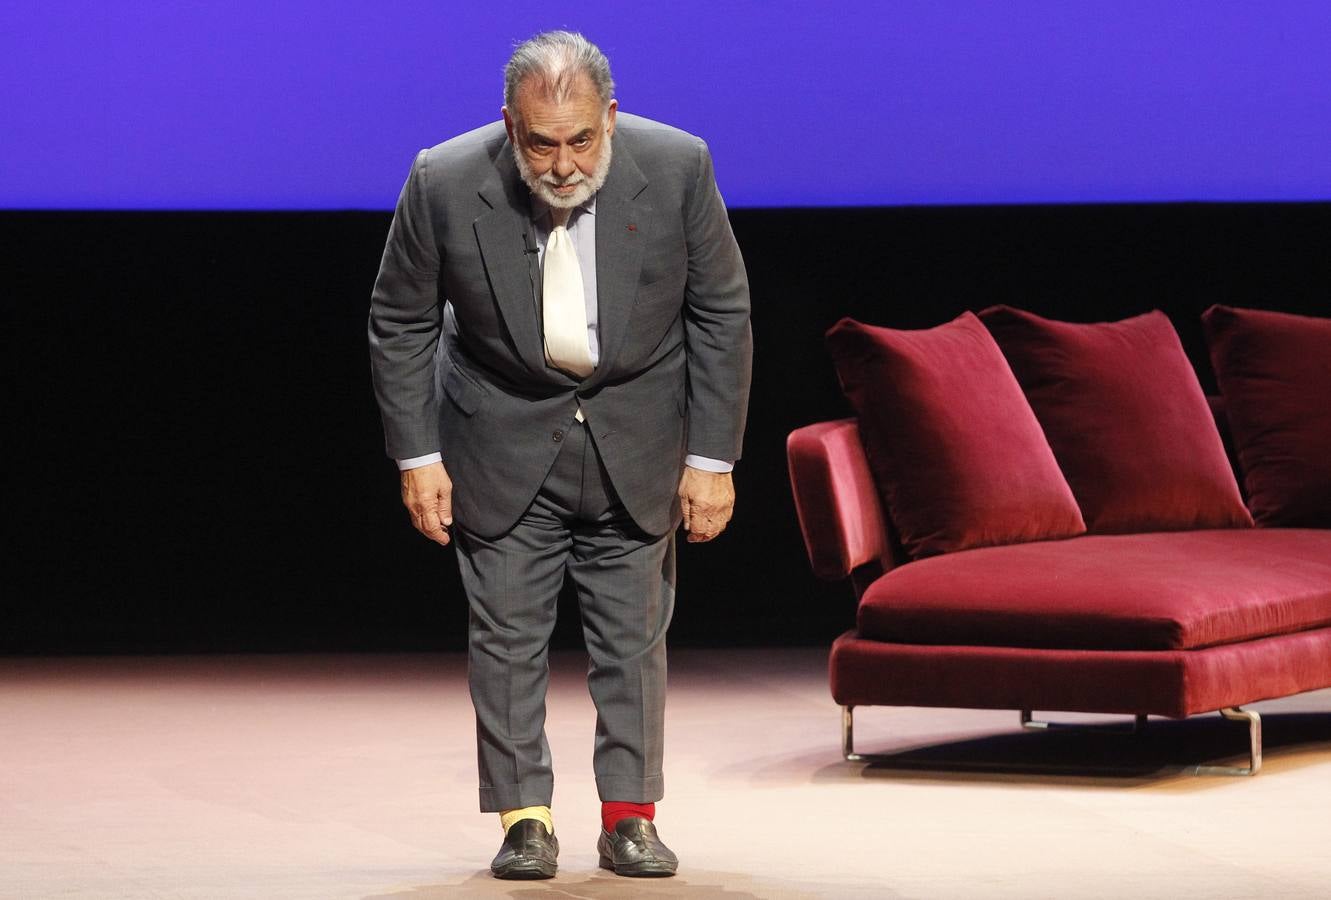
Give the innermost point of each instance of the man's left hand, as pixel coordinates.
(707, 500)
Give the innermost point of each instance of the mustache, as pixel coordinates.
(555, 181)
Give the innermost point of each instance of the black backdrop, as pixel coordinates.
(193, 459)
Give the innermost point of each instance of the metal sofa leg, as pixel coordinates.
(848, 735)
(1138, 724)
(1254, 720)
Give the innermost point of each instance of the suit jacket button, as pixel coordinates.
(558, 436)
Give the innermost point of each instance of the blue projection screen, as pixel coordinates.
(321, 105)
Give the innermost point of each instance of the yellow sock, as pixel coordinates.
(540, 813)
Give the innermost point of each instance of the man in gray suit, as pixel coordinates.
(561, 351)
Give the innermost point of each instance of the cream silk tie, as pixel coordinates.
(563, 307)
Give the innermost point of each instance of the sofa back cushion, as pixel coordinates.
(1127, 419)
(958, 457)
(1274, 372)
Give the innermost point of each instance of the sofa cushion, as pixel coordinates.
(955, 451)
(1163, 591)
(1274, 371)
(1126, 418)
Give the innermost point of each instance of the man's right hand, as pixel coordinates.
(427, 493)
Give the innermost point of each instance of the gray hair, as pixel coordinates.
(556, 59)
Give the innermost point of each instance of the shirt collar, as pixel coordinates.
(540, 210)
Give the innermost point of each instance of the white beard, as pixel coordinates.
(543, 186)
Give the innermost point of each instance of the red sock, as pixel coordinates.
(614, 810)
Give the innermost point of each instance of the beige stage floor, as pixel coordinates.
(353, 776)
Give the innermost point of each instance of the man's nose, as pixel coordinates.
(563, 166)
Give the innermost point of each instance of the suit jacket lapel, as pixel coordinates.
(502, 234)
(619, 219)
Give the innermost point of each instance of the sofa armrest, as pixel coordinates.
(836, 500)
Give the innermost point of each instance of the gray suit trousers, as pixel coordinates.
(625, 581)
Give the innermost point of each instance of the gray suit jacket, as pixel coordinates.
(455, 326)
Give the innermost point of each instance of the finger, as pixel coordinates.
(445, 507)
(426, 521)
(431, 527)
(704, 529)
(686, 508)
(709, 517)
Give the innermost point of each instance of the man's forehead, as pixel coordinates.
(554, 120)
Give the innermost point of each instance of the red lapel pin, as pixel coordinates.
(633, 227)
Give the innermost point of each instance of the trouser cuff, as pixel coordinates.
(533, 792)
(630, 789)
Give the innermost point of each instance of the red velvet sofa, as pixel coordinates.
(1038, 515)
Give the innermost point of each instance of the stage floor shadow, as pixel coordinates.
(1162, 748)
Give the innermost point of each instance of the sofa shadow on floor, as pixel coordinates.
(1102, 753)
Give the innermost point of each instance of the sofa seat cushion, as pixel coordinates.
(1158, 591)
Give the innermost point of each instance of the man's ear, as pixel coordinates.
(508, 125)
(610, 118)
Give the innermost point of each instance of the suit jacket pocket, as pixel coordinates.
(465, 393)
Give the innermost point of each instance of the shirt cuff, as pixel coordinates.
(707, 464)
(417, 461)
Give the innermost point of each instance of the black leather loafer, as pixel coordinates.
(633, 849)
(529, 851)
